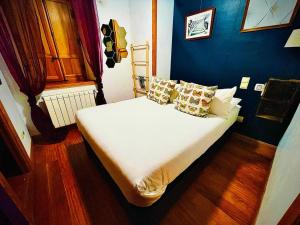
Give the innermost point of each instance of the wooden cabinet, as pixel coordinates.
(64, 57)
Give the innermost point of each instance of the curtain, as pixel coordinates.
(23, 51)
(88, 27)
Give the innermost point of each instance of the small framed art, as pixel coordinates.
(199, 24)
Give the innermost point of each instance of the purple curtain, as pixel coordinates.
(23, 51)
(88, 27)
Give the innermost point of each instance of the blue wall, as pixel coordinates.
(229, 54)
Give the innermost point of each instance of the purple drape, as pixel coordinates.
(23, 51)
(87, 20)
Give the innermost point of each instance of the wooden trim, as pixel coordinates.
(262, 148)
(154, 37)
(13, 142)
(268, 27)
(14, 211)
(211, 28)
(292, 215)
(253, 140)
(68, 84)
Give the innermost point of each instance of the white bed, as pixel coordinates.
(144, 146)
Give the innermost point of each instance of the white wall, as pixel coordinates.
(284, 182)
(165, 9)
(14, 114)
(141, 23)
(117, 81)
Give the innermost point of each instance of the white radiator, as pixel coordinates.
(63, 106)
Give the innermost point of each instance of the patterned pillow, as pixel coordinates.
(194, 100)
(175, 93)
(184, 84)
(160, 90)
(190, 85)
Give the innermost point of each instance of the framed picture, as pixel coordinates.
(199, 24)
(269, 14)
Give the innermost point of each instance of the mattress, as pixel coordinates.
(144, 146)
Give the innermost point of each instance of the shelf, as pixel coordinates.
(67, 84)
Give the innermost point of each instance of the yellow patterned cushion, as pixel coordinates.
(194, 100)
(190, 85)
(175, 93)
(160, 90)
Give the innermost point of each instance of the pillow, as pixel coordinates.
(194, 100)
(175, 93)
(187, 84)
(225, 95)
(160, 90)
(223, 109)
(183, 84)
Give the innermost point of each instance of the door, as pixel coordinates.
(61, 40)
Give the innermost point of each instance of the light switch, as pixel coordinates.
(259, 87)
(245, 82)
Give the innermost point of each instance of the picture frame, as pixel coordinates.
(199, 24)
(261, 15)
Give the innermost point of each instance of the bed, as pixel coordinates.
(144, 146)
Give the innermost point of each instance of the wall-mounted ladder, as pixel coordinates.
(140, 81)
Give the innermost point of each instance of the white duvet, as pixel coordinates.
(144, 146)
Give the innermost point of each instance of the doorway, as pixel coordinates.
(14, 162)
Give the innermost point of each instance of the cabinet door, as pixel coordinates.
(66, 39)
(54, 71)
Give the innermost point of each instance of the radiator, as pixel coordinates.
(62, 107)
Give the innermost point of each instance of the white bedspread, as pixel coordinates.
(144, 146)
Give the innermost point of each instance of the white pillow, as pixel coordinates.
(223, 109)
(225, 95)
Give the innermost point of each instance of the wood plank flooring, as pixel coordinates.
(224, 187)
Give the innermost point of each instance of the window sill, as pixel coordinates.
(67, 84)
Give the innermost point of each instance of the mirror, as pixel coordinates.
(115, 43)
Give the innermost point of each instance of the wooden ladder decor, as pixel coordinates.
(140, 82)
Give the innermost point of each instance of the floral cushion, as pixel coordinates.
(195, 100)
(160, 90)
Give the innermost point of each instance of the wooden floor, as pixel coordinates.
(71, 187)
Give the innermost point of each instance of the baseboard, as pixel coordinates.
(253, 140)
(260, 147)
